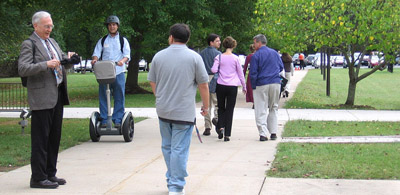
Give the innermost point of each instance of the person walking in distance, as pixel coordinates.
(208, 54)
(265, 69)
(175, 101)
(288, 66)
(302, 64)
(249, 92)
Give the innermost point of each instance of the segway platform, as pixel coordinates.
(105, 74)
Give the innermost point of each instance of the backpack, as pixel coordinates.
(24, 80)
(121, 41)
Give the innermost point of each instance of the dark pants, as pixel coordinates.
(226, 97)
(45, 140)
(302, 64)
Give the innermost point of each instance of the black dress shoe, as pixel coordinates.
(220, 133)
(207, 132)
(60, 181)
(226, 139)
(273, 136)
(43, 184)
(262, 138)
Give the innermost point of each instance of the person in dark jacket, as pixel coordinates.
(288, 66)
(208, 55)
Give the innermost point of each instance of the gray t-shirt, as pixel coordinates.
(176, 71)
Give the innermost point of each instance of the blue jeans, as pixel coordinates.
(175, 145)
(118, 91)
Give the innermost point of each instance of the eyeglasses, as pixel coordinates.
(48, 26)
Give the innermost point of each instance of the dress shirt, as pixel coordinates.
(112, 51)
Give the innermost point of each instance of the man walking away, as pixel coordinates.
(175, 101)
(266, 65)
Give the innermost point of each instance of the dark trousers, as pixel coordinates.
(302, 64)
(45, 140)
(226, 97)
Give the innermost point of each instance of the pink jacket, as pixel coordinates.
(230, 71)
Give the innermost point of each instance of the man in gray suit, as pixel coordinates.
(44, 64)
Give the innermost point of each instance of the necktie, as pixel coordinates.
(53, 56)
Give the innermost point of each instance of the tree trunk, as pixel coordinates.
(132, 86)
(351, 93)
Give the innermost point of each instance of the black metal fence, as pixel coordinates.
(13, 97)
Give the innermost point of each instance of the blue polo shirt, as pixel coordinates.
(266, 64)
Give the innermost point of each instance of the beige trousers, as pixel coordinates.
(212, 103)
(266, 99)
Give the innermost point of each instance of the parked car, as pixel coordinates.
(309, 59)
(143, 65)
(398, 60)
(374, 61)
(339, 61)
(317, 60)
(295, 58)
(84, 65)
(366, 61)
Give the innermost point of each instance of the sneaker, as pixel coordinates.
(207, 132)
(214, 121)
(273, 136)
(262, 138)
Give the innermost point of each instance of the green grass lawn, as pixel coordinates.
(302, 128)
(378, 91)
(340, 161)
(15, 147)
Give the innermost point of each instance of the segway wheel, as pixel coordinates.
(128, 128)
(93, 125)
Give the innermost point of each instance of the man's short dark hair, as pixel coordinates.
(180, 32)
(211, 38)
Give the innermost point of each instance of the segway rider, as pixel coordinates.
(115, 48)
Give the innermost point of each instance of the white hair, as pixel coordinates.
(39, 15)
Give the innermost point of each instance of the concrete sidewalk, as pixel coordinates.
(112, 166)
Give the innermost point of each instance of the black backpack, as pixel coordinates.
(121, 41)
(24, 80)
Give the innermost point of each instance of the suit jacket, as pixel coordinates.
(42, 82)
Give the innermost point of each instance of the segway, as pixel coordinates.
(105, 74)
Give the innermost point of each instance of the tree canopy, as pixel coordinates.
(346, 26)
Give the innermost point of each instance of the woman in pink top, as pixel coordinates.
(230, 77)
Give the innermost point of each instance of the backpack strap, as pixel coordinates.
(121, 42)
(24, 80)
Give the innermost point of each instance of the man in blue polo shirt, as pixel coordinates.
(266, 66)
